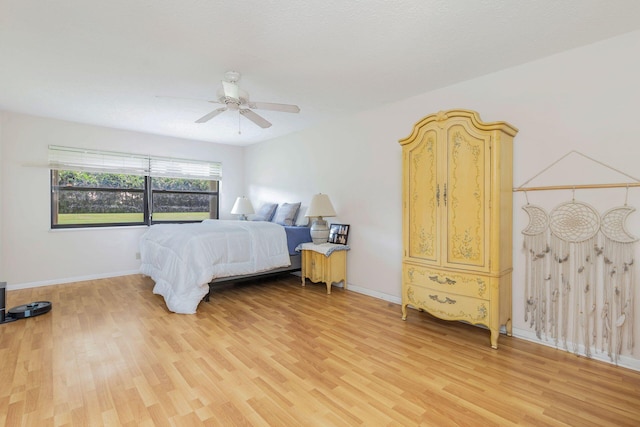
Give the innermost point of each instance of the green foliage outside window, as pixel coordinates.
(99, 180)
(107, 198)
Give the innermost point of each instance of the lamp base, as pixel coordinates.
(319, 231)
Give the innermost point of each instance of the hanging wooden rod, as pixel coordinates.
(578, 187)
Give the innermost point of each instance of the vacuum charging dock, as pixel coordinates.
(22, 311)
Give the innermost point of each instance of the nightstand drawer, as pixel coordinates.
(448, 282)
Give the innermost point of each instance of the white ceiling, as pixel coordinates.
(111, 63)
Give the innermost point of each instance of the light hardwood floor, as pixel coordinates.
(277, 354)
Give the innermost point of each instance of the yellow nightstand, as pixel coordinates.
(326, 262)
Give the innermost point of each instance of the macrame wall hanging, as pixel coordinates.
(580, 283)
(619, 281)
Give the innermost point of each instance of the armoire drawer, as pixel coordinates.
(448, 306)
(471, 285)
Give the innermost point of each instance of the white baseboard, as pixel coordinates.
(375, 294)
(364, 291)
(623, 361)
(27, 285)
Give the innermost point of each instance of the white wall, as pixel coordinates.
(584, 99)
(35, 255)
(2, 205)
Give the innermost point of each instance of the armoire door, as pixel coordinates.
(422, 199)
(467, 192)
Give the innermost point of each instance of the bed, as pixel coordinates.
(184, 260)
(295, 235)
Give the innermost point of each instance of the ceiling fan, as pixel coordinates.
(235, 99)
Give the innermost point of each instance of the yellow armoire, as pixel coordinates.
(457, 219)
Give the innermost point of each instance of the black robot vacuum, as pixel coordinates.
(22, 311)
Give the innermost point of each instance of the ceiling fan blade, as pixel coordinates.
(286, 108)
(259, 120)
(187, 99)
(211, 115)
(231, 90)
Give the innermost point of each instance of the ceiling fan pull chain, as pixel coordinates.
(239, 133)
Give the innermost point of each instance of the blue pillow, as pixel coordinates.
(286, 213)
(266, 211)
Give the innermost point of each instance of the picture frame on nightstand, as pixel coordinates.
(339, 233)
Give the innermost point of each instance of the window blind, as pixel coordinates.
(181, 168)
(69, 158)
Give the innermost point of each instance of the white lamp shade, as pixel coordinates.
(320, 206)
(242, 206)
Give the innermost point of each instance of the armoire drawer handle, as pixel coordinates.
(446, 300)
(445, 281)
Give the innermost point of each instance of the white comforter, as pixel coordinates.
(183, 258)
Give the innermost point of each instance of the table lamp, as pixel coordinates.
(242, 207)
(320, 207)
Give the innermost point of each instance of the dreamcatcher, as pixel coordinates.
(617, 312)
(574, 228)
(536, 237)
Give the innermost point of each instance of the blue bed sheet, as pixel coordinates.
(296, 236)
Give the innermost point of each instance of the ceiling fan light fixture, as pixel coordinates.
(232, 76)
(231, 90)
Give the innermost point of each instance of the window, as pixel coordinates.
(179, 200)
(92, 199)
(93, 189)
